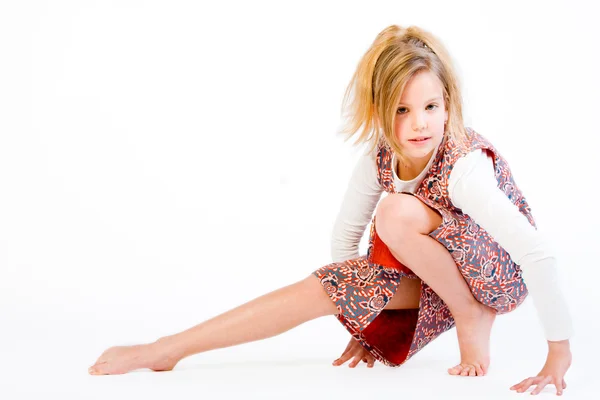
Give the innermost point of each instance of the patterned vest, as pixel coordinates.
(475, 252)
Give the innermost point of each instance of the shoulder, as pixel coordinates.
(466, 152)
(473, 171)
(472, 140)
(472, 159)
(365, 170)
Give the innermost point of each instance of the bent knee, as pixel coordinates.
(395, 217)
(399, 215)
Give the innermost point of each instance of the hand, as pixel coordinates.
(557, 363)
(354, 349)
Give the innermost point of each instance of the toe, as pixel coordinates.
(472, 372)
(479, 370)
(465, 371)
(99, 369)
(484, 368)
(456, 370)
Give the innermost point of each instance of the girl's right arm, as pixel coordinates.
(359, 202)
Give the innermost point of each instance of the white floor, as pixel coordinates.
(46, 355)
(163, 162)
(65, 303)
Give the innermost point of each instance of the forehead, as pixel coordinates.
(421, 87)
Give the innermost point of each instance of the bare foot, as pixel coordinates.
(473, 333)
(122, 359)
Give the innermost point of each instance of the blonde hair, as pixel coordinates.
(396, 55)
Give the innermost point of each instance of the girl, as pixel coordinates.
(453, 243)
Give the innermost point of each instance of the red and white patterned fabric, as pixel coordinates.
(362, 287)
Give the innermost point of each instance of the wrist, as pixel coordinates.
(559, 345)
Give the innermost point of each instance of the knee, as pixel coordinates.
(397, 217)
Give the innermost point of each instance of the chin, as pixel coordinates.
(423, 152)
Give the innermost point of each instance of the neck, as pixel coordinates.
(409, 168)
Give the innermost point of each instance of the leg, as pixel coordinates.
(403, 223)
(263, 317)
(408, 295)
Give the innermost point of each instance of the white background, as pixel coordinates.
(164, 161)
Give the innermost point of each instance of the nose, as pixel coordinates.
(419, 122)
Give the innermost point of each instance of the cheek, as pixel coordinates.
(437, 126)
(400, 127)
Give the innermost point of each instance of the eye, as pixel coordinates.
(402, 110)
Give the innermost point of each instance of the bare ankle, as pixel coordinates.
(169, 347)
(471, 310)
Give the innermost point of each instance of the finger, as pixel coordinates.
(522, 383)
(542, 384)
(345, 352)
(516, 386)
(350, 343)
(523, 386)
(349, 349)
(354, 362)
(371, 362)
(564, 385)
(352, 352)
(558, 386)
(527, 383)
(345, 357)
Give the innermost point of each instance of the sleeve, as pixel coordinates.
(359, 202)
(473, 188)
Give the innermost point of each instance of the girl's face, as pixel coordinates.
(420, 116)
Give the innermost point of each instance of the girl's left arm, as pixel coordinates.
(473, 188)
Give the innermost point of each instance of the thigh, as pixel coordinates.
(401, 211)
(407, 295)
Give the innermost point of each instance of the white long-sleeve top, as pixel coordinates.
(473, 188)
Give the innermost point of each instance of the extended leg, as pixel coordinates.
(263, 317)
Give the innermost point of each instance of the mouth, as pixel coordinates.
(420, 139)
